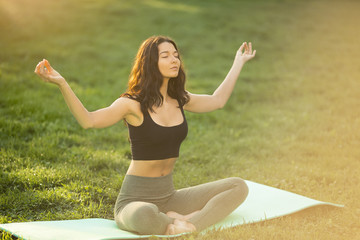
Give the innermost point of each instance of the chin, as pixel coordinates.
(173, 75)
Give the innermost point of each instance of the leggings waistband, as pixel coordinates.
(147, 186)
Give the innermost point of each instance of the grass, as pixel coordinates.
(292, 121)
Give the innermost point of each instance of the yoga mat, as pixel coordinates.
(262, 203)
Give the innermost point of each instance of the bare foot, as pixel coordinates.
(181, 226)
(170, 230)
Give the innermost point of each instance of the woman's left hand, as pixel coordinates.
(245, 53)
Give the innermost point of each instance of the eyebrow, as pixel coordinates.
(168, 52)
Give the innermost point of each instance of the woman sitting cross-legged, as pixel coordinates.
(153, 109)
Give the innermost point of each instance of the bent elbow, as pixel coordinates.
(87, 125)
(221, 105)
(219, 101)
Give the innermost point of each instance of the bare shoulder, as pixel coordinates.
(134, 114)
(127, 101)
(129, 104)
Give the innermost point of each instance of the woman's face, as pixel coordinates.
(169, 62)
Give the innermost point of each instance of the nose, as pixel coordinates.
(174, 59)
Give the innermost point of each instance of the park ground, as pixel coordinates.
(292, 121)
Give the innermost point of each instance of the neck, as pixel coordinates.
(164, 88)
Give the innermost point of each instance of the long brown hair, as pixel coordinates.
(145, 78)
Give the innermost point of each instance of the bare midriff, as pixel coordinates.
(151, 168)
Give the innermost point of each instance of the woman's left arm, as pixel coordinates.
(207, 103)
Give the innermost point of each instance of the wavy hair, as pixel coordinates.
(145, 78)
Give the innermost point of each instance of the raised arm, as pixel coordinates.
(207, 103)
(98, 119)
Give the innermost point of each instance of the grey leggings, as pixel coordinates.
(143, 202)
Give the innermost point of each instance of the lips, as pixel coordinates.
(174, 68)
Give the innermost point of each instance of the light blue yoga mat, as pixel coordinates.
(262, 203)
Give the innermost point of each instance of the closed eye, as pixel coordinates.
(165, 54)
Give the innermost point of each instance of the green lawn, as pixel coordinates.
(292, 122)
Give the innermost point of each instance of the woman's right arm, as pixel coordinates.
(101, 118)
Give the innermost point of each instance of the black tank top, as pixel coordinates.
(151, 141)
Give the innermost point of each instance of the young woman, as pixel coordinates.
(153, 108)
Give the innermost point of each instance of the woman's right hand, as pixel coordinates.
(47, 73)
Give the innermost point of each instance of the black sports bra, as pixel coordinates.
(151, 141)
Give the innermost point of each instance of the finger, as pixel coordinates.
(254, 53)
(47, 65)
(241, 47)
(42, 68)
(250, 47)
(246, 48)
(38, 72)
(37, 68)
(44, 65)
